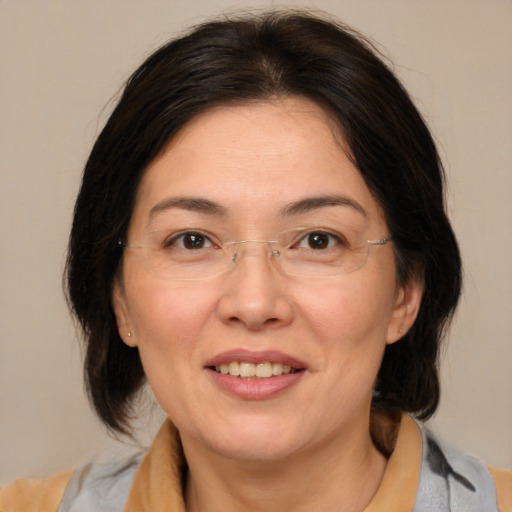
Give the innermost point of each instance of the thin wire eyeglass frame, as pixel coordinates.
(273, 254)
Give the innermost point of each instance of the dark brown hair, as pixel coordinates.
(256, 58)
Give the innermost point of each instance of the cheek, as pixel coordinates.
(350, 321)
(155, 303)
(168, 320)
(350, 304)
(348, 326)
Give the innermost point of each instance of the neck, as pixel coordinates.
(342, 475)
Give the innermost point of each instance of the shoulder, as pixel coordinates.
(31, 495)
(503, 481)
(457, 481)
(102, 485)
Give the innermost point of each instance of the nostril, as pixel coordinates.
(254, 324)
(270, 323)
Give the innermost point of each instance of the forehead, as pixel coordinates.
(255, 158)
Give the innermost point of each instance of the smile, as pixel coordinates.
(256, 375)
(246, 370)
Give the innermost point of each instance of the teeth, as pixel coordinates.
(234, 369)
(264, 370)
(277, 369)
(245, 370)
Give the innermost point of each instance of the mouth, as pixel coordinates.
(246, 364)
(255, 375)
(248, 370)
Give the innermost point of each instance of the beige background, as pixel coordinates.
(61, 61)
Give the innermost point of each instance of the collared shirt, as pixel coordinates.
(422, 475)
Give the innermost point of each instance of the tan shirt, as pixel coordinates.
(158, 479)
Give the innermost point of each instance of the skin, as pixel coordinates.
(308, 447)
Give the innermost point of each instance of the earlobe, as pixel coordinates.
(122, 317)
(405, 310)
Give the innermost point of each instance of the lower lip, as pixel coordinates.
(256, 389)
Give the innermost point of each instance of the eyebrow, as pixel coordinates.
(300, 207)
(195, 204)
(309, 204)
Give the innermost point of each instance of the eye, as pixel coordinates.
(190, 240)
(319, 240)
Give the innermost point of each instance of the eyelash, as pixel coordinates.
(331, 236)
(172, 240)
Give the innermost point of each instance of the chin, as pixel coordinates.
(258, 442)
(261, 450)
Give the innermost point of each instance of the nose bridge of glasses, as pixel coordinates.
(239, 247)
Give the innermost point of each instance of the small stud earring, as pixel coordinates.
(401, 330)
(129, 334)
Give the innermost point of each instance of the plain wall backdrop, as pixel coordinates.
(61, 63)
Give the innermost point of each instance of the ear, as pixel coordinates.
(121, 313)
(405, 309)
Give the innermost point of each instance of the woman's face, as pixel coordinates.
(250, 173)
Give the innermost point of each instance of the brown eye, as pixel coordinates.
(193, 241)
(318, 240)
(190, 240)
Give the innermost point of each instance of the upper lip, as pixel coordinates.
(255, 357)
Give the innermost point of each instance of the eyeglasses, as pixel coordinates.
(193, 255)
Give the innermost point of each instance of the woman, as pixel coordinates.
(261, 236)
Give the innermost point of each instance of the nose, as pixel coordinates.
(254, 293)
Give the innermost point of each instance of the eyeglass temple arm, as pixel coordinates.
(382, 241)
